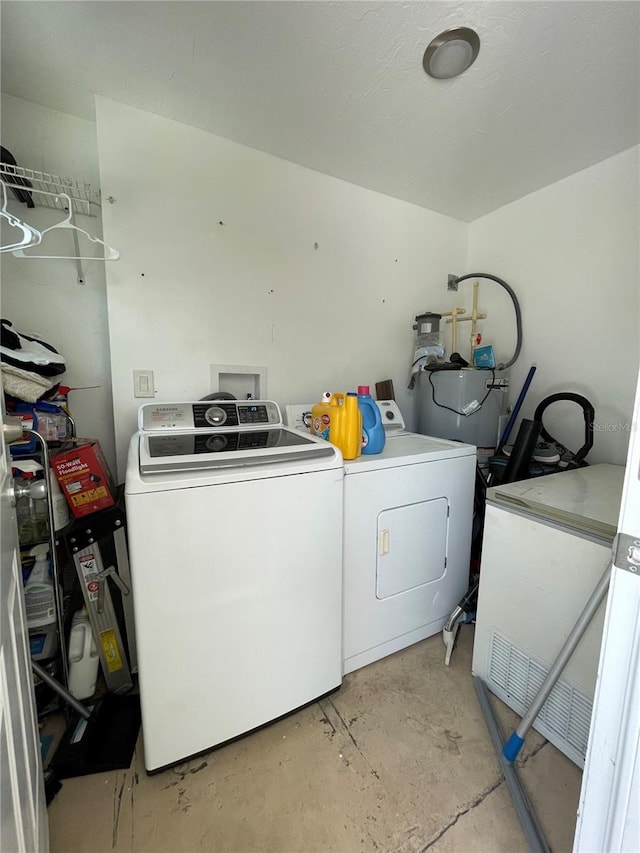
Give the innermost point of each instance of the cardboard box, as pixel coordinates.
(84, 477)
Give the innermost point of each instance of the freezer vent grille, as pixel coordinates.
(566, 715)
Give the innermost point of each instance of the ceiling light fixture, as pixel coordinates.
(451, 53)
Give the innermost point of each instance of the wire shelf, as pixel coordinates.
(83, 199)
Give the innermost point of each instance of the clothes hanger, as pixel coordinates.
(110, 254)
(30, 236)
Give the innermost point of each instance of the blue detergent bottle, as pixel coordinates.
(373, 436)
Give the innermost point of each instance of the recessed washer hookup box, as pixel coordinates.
(84, 477)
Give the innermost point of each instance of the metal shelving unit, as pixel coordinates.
(28, 187)
(85, 200)
(52, 539)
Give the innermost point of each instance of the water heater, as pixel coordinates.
(466, 405)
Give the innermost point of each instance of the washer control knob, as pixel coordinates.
(389, 415)
(215, 416)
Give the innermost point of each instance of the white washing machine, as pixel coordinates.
(408, 515)
(235, 540)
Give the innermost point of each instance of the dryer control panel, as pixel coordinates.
(392, 419)
(209, 415)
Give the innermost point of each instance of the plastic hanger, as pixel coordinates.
(110, 254)
(30, 236)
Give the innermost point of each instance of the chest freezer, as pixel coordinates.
(546, 543)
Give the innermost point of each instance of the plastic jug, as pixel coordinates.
(83, 657)
(32, 515)
(40, 604)
(321, 417)
(345, 429)
(373, 436)
(26, 514)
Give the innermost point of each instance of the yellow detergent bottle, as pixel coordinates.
(321, 417)
(346, 424)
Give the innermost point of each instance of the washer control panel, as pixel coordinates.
(208, 414)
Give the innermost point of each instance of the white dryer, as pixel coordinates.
(235, 539)
(408, 515)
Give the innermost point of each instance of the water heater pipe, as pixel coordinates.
(454, 314)
(452, 284)
(474, 320)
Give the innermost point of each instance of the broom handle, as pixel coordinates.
(69, 698)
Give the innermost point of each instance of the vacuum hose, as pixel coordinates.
(457, 279)
(589, 416)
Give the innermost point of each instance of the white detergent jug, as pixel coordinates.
(40, 603)
(83, 657)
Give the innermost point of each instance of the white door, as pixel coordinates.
(23, 811)
(412, 546)
(608, 813)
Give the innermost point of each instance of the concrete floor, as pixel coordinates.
(399, 759)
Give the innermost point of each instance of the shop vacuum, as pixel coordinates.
(536, 452)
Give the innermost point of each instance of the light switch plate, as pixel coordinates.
(143, 383)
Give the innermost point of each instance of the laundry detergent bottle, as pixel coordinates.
(345, 429)
(321, 417)
(373, 436)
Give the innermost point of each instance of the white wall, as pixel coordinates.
(570, 251)
(42, 297)
(189, 292)
(217, 294)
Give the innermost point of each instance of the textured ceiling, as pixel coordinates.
(339, 86)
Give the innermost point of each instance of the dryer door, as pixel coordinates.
(412, 546)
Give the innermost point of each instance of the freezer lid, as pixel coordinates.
(586, 500)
